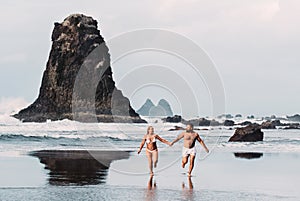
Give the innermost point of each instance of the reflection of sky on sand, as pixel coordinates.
(271, 174)
(187, 189)
(21, 171)
(150, 192)
(221, 175)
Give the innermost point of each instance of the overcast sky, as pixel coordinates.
(255, 45)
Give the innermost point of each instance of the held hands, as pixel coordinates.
(169, 143)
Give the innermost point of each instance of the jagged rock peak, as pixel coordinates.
(72, 42)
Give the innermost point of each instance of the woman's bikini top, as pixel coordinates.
(148, 141)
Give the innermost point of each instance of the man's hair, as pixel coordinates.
(190, 124)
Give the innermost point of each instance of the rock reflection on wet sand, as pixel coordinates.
(78, 167)
(248, 155)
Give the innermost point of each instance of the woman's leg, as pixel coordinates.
(149, 156)
(155, 158)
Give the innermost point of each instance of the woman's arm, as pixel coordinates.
(162, 140)
(142, 145)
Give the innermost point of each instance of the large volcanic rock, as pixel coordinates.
(250, 133)
(73, 41)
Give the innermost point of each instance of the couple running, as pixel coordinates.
(189, 149)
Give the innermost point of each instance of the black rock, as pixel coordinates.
(174, 119)
(272, 124)
(292, 126)
(227, 116)
(73, 41)
(228, 123)
(202, 122)
(245, 123)
(295, 117)
(250, 133)
(277, 123)
(238, 115)
(267, 125)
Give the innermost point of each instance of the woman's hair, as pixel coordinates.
(149, 129)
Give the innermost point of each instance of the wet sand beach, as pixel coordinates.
(80, 175)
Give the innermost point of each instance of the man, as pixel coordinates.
(189, 149)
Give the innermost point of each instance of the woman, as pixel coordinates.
(151, 148)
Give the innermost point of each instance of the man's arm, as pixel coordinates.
(142, 145)
(178, 138)
(202, 143)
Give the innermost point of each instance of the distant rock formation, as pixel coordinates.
(267, 125)
(272, 124)
(250, 133)
(250, 117)
(72, 41)
(228, 123)
(163, 108)
(295, 117)
(174, 119)
(226, 116)
(166, 106)
(195, 122)
(292, 126)
(245, 123)
(144, 110)
(202, 122)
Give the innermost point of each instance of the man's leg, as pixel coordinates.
(192, 159)
(184, 160)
